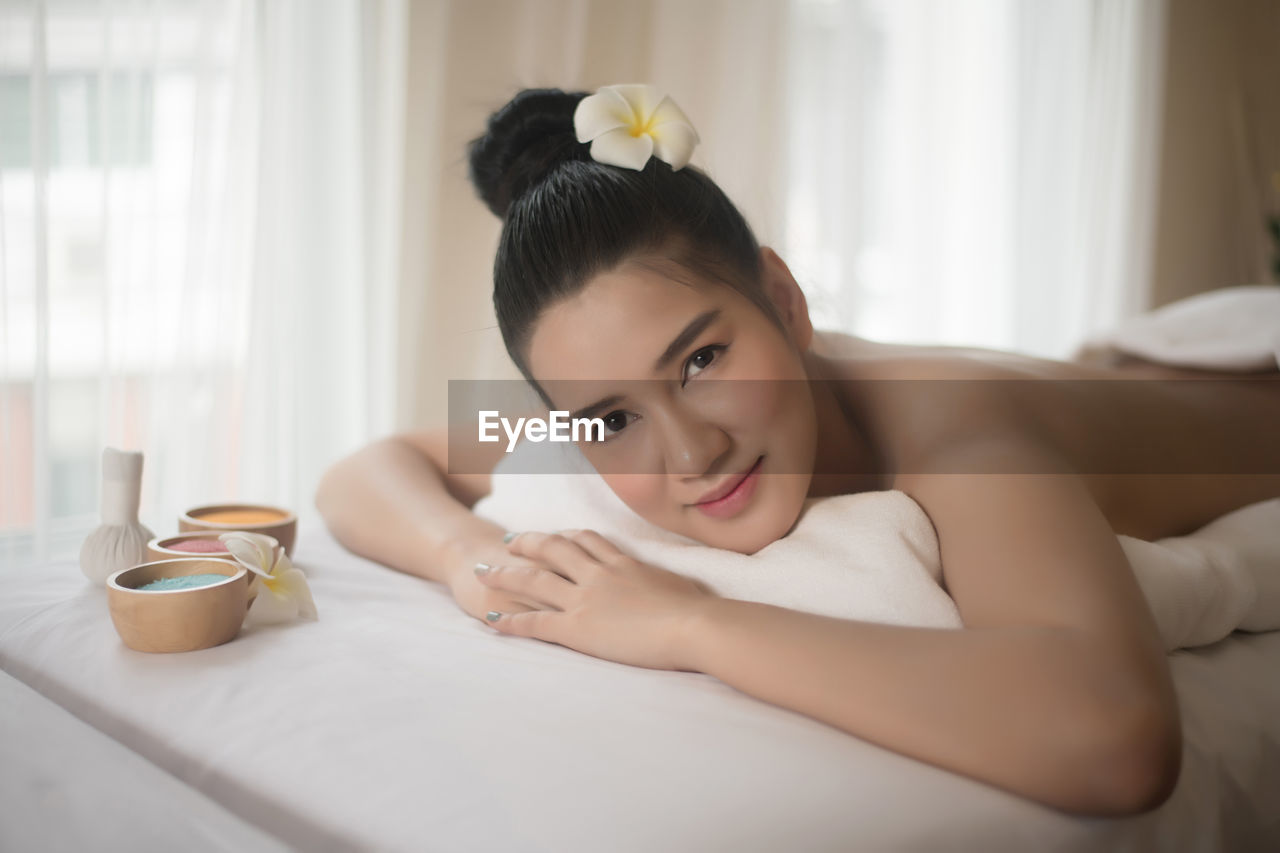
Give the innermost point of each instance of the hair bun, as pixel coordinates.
(522, 143)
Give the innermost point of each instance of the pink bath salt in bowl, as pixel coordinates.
(198, 546)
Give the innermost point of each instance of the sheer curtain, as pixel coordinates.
(239, 235)
(976, 172)
(197, 251)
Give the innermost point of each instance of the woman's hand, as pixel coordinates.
(475, 598)
(597, 600)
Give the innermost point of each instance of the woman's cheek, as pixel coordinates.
(773, 384)
(642, 493)
(744, 406)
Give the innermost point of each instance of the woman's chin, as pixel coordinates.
(752, 542)
(771, 514)
(750, 532)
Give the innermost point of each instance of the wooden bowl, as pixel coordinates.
(280, 524)
(178, 620)
(166, 547)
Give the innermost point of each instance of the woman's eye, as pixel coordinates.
(703, 358)
(617, 420)
(614, 422)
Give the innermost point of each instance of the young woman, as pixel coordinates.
(628, 294)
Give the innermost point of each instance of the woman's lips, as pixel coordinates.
(732, 503)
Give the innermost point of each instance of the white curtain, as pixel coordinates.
(197, 251)
(978, 172)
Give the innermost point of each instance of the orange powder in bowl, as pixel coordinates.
(241, 516)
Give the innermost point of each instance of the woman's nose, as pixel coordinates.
(690, 443)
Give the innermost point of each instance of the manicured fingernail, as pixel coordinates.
(493, 616)
(510, 536)
(482, 568)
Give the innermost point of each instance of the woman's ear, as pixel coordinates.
(786, 295)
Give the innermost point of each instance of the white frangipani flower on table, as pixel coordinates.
(627, 124)
(283, 594)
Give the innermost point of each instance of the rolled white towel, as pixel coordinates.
(1230, 329)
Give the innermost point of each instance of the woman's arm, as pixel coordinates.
(392, 502)
(1020, 708)
(397, 502)
(1057, 689)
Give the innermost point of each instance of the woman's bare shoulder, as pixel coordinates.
(919, 401)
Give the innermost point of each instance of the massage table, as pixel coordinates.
(397, 722)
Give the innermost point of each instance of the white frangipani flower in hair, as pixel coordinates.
(283, 593)
(628, 124)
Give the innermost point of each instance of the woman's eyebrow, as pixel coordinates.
(682, 340)
(588, 411)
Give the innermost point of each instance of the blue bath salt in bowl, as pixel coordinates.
(184, 582)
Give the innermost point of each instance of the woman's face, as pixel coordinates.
(695, 385)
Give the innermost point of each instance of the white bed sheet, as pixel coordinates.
(54, 766)
(397, 722)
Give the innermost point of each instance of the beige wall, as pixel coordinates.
(1221, 146)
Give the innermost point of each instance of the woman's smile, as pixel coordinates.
(738, 496)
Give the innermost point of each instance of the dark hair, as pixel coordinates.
(567, 218)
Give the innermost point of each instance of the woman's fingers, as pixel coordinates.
(476, 599)
(594, 544)
(528, 582)
(538, 624)
(569, 557)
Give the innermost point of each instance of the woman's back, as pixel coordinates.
(1162, 451)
